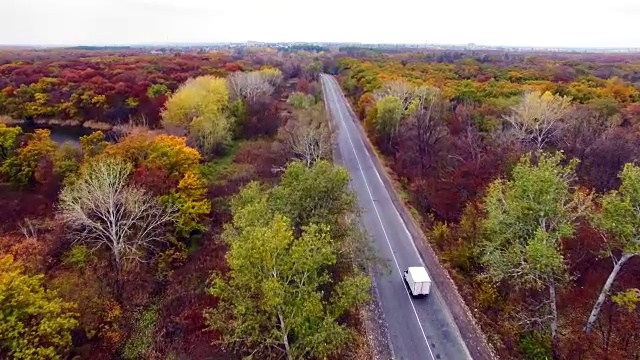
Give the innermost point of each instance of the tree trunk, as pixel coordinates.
(605, 291)
(285, 340)
(554, 319)
(118, 284)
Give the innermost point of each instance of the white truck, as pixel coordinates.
(418, 281)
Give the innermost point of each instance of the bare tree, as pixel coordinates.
(400, 89)
(249, 85)
(102, 210)
(469, 142)
(424, 130)
(271, 76)
(308, 136)
(537, 119)
(584, 127)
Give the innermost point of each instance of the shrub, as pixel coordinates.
(440, 234)
(141, 339)
(535, 345)
(77, 256)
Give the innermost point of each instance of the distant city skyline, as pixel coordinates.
(543, 24)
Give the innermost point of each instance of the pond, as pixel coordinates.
(61, 134)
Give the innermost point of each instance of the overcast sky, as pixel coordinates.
(576, 23)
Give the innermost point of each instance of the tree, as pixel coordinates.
(422, 133)
(536, 120)
(66, 160)
(308, 136)
(320, 195)
(620, 218)
(166, 152)
(104, 211)
(200, 107)
(388, 115)
(399, 89)
(156, 90)
(300, 100)
(21, 167)
(250, 85)
(272, 75)
(313, 69)
(93, 144)
(191, 203)
(278, 295)
(526, 218)
(203, 98)
(8, 141)
(209, 134)
(36, 323)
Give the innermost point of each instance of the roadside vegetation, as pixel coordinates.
(523, 171)
(205, 222)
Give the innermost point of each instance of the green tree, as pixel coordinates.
(314, 69)
(525, 219)
(191, 203)
(34, 322)
(93, 144)
(209, 133)
(156, 90)
(21, 167)
(300, 100)
(321, 195)
(132, 102)
(620, 218)
(278, 295)
(388, 115)
(628, 299)
(67, 159)
(8, 141)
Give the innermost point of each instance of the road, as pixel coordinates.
(418, 328)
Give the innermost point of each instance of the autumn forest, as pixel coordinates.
(201, 216)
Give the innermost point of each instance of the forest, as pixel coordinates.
(101, 89)
(523, 170)
(210, 224)
(202, 218)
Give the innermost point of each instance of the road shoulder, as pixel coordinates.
(374, 323)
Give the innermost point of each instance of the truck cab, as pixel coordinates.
(417, 281)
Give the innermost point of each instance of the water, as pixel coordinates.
(61, 134)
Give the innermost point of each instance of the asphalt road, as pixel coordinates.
(418, 328)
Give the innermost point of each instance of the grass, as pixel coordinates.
(141, 338)
(222, 168)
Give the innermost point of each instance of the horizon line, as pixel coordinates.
(245, 42)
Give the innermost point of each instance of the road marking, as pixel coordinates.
(436, 293)
(366, 184)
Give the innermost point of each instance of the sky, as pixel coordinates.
(545, 23)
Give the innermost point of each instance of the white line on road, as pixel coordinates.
(447, 313)
(379, 218)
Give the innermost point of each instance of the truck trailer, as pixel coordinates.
(417, 281)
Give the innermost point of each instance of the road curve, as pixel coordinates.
(418, 328)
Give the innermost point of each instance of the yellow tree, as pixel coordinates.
(167, 152)
(191, 203)
(34, 322)
(199, 107)
(538, 117)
